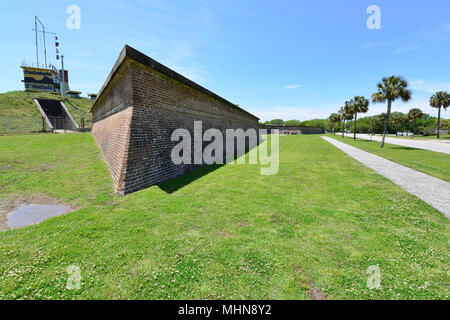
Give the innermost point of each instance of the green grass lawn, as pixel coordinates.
(19, 114)
(435, 164)
(221, 232)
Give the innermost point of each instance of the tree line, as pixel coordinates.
(420, 124)
(322, 123)
(389, 89)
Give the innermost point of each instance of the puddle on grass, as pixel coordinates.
(31, 214)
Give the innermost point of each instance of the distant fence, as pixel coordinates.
(441, 131)
(58, 123)
(63, 123)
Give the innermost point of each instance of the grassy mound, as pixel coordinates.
(18, 113)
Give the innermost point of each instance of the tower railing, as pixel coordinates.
(36, 65)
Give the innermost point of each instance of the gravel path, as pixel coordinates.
(436, 146)
(433, 191)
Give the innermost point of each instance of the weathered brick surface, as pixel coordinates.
(112, 135)
(136, 113)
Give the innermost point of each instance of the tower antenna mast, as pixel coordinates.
(37, 43)
(36, 20)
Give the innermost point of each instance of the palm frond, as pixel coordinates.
(378, 98)
(440, 99)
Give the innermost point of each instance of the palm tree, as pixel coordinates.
(398, 120)
(341, 116)
(334, 118)
(413, 115)
(373, 123)
(440, 100)
(345, 115)
(358, 105)
(390, 89)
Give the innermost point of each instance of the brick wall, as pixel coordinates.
(112, 134)
(138, 109)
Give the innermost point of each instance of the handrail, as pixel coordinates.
(36, 65)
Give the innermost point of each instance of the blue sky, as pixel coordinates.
(277, 59)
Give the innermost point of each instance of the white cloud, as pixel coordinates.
(292, 86)
(430, 87)
(376, 44)
(323, 111)
(376, 109)
(178, 55)
(194, 72)
(405, 49)
(404, 107)
(435, 34)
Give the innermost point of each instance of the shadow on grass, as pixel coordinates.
(365, 140)
(405, 148)
(357, 139)
(177, 183)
